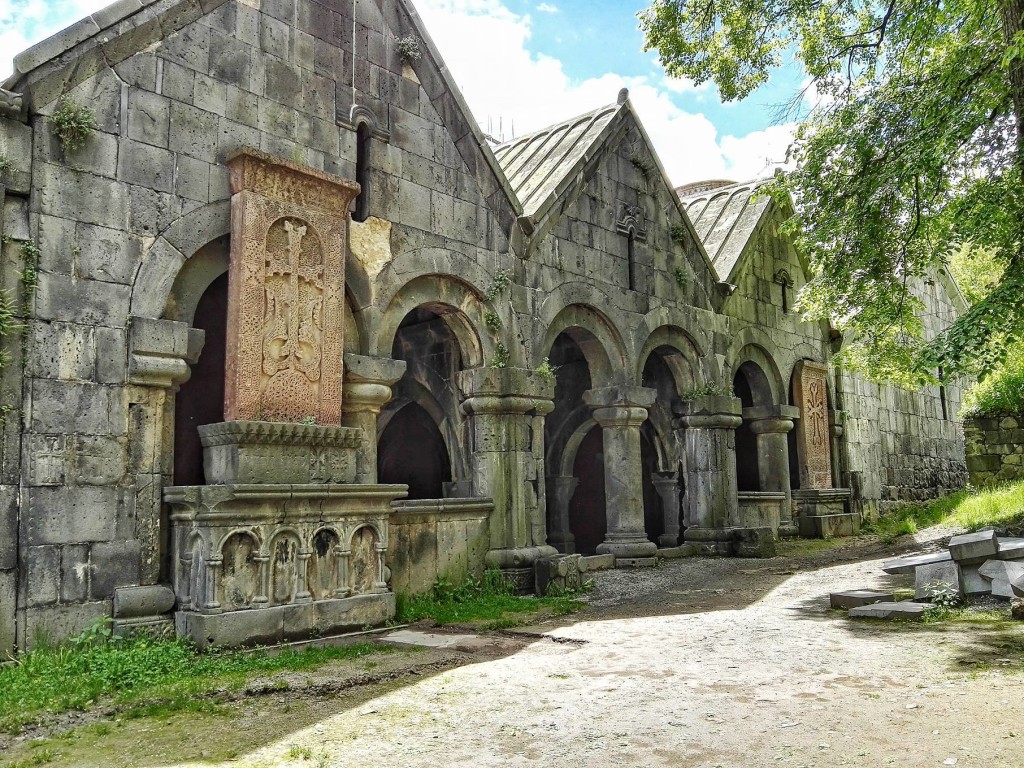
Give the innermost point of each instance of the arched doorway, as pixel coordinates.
(418, 439)
(200, 400)
(660, 452)
(574, 464)
(751, 386)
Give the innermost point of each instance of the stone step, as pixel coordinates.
(978, 546)
(855, 598)
(901, 610)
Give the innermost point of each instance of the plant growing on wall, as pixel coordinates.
(72, 123)
(408, 48)
(708, 390)
(492, 321)
(546, 370)
(501, 356)
(682, 277)
(5, 166)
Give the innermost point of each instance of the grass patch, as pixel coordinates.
(1001, 507)
(143, 676)
(491, 601)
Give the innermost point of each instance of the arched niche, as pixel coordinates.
(412, 450)
(677, 350)
(753, 388)
(322, 573)
(597, 338)
(455, 303)
(239, 571)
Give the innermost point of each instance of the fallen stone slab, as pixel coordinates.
(1005, 570)
(937, 580)
(1010, 549)
(597, 562)
(901, 610)
(855, 598)
(910, 564)
(437, 640)
(672, 553)
(978, 546)
(971, 582)
(636, 562)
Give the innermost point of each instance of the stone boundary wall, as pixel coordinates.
(995, 449)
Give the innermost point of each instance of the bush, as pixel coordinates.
(72, 123)
(1001, 392)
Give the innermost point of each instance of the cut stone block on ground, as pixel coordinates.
(855, 598)
(902, 610)
(909, 564)
(1010, 549)
(979, 545)
(971, 582)
(935, 579)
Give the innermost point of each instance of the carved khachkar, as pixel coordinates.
(812, 431)
(286, 290)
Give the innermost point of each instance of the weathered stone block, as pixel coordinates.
(911, 563)
(857, 597)
(978, 546)
(49, 624)
(557, 574)
(1010, 548)
(75, 573)
(597, 562)
(43, 575)
(60, 297)
(193, 131)
(114, 564)
(932, 579)
(754, 542)
(903, 610)
(69, 515)
(971, 582)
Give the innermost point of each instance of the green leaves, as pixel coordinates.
(909, 149)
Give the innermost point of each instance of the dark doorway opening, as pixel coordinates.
(587, 508)
(747, 478)
(200, 400)
(412, 451)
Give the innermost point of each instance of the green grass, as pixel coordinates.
(1002, 506)
(145, 677)
(490, 601)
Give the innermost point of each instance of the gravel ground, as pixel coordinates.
(701, 662)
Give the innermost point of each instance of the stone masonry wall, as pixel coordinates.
(995, 449)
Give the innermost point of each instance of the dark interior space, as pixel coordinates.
(412, 451)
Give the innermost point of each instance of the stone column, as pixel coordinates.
(667, 486)
(367, 389)
(620, 411)
(559, 493)
(771, 424)
(506, 408)
(709, 435)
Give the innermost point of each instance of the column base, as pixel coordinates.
(627, 546)
(565, 545)
(710, 541)
(668, 540)
(520, 557)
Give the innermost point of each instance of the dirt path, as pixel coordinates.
(697, 663)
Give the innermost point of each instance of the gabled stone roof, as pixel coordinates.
(725, 218)
(541, 164)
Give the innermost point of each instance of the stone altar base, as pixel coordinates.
(266, 563)
(825, 513)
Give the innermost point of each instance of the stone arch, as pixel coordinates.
(456, 302)
(680, 353)
(762, 374)
(412, 450)
(576, 304)
(405, 268)
(322, 572)
(172, 248)
(595, 335)
(572, 445)
(364, 560)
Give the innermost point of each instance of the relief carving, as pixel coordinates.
(286, 291)
(812, 431)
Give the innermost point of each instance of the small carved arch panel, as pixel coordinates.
(240, 571)
(322, 573)
(284, 568)
(364, 561)
(195, 573)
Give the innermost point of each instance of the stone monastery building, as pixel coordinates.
(291, 336)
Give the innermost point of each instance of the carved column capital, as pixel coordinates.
(505, 390)
(708, 412)
(160, 352)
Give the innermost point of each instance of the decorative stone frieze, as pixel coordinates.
(265, 563)
(276, 452)
(286, 290)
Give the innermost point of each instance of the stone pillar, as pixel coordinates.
(709, 435)
(559, 493)
(667, 486)
(620, 411)
(367, 389)
(771, 424)
(506, 409)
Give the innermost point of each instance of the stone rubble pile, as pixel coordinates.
(974, 564)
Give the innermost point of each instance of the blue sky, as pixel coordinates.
(530, 63)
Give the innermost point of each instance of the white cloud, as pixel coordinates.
(484, 43)
(485, 46)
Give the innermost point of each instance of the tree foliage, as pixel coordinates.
(911, 147)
